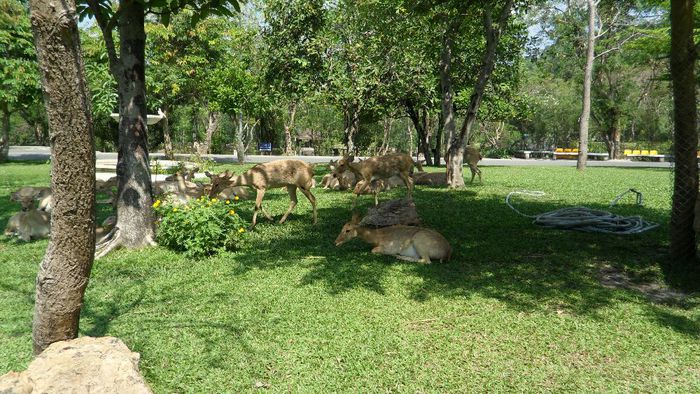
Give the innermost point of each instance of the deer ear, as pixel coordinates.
(14, 196)
(355, 218)
(351, 158)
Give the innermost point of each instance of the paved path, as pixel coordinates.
(42, 153)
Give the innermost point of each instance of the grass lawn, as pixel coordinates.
(520, 308)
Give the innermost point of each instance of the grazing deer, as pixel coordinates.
(30, 223)
(472, 156)
(289, 173)
(378, 167)
(408, 243)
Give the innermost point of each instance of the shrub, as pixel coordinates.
(201, 227)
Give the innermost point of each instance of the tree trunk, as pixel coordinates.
(420, 123)
(351, 122)
(288, 127)
(454, 159)
(455, 150)
(438, 142)
(167, 138)
(65, 269)
(5, 136)
(213, 120)
(240, 147)
(685, 141)
(385, 138)
(587, 76)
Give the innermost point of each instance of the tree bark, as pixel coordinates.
(65, 269)
(420, 123)
(385, 138)
(288, 127)
(352, 123)
(455, 150)
(240, 147)
(587, 77)
(685, 141)
(437, 152)
(5, 136)
(167, 138)
(213, 120)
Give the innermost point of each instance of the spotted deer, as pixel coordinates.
(289, 173)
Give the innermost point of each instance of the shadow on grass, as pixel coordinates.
(497, 254)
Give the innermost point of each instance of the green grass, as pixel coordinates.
(519, 307)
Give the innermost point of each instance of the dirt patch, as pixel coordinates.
(615, 278)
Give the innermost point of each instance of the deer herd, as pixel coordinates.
(370, 176)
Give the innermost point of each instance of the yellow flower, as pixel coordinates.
(235, 198)
(231, 212)
(228, 202)
(214, 200)
(156, 204)
(174, 209)
(241, 230)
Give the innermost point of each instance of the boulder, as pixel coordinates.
(83, 365)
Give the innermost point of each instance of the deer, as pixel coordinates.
(344, 181)
(409, 243)
(30, 223)
(472, 156)
(377, 167)
(290, 173)
(228, 193)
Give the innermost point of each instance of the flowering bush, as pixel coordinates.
(201, 227)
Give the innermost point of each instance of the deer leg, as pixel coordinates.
(292, 190)
(408, 181)
(258, 206)
(376, 197)
(312, 200)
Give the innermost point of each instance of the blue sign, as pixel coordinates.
(265, 147)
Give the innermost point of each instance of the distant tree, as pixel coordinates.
(19, 76)
(293, 54)
(65, 269)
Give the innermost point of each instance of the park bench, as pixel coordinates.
(572, 153)
(645, 154)
(527, 154)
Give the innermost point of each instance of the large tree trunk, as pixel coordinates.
(5, 136)
(587, 76)
(134, 227)
(685, 141)
(437, 152)
(455, 150)
(65, 269)
(167, 138)
(213, 120)
(288, 127)
(384, 149)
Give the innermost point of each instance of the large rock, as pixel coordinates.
(83, 365)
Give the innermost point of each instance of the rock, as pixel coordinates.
(392, 212)
(84, 365)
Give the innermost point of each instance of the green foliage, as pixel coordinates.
(201, 227)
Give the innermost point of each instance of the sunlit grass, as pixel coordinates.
(518, 308)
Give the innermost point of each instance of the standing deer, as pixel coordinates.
(377, 167)
(408, 243)
(472, 156)
(289, 173)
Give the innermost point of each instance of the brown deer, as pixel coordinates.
(289, 173)
(408, 243)
(343, 181)
(378, 167)
(30, 223)
(472, 157)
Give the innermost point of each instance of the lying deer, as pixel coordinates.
(378, 167)
(430, 178)
(473, 156)
(343, 181)
(408, 243)
(30, 223)
(289, 173)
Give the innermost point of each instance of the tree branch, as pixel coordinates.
(619, 44)
(107, 26)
